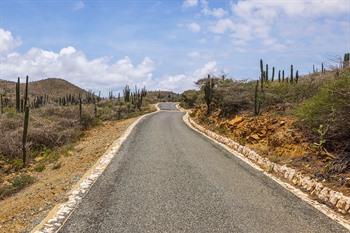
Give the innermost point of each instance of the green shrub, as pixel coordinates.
(22, 181)
(40, 167)
(329, 107)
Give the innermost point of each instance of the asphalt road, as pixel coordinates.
(168, 178)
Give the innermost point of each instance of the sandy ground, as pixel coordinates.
(22, 211)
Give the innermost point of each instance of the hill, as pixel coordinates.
(51, 86)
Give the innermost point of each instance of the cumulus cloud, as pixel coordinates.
(258, 20)
(194, 27)
(72, 65)
(182, 82)
(190, 3)
(215, 12)
(7, 41)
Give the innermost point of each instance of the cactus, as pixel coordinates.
(279, 76)
(346, 62)
(267, 73)
(126, 93)
(25, 125)
(208, 93)
(18, 87)
(291, 74)
(262, 73)
(95, 106)
(322, 68)
(257, 103)
(282, 75)
(80, 109)
(273, 74)
(297, 76)
(313, 69)
(25, 134)
(1, 105)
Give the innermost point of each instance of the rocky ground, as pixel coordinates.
(278, 138)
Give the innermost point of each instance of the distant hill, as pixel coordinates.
(51, 86)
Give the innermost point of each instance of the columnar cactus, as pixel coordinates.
(297, 76)
(279, 76)
(282, 75)
(1, 104)
(273, 74)
(346, 62)
(291, 74)
(257, 103)
(267, 72)
(80, 109)
(25, 134)
(262, 72)
(25, 124)
(18, 87)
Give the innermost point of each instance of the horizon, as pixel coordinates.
(107, 45)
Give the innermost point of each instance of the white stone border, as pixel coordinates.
(61, 212)
(310, 186)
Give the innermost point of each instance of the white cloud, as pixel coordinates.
(73, 65)
(215, 12)
(222, 26)
(78, 5)
(194, 27)
(190, 3)
(182, 82)
(7, 41)
(256, 20)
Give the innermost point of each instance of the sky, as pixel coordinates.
(166, 44)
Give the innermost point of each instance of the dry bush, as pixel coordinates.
(50, 127)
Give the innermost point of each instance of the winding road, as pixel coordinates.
(168, 178)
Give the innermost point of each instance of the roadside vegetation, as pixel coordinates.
(38, 125)
(293, 119)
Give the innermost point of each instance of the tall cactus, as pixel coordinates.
(25, 135)
(25, 124)
(126, 93)
(26, 93)
(279, 75)
(262, 75)
(1, 104)
(282, 75)
(322, 68)
(267, 73)
(346, 61)
(297, 76)
(80, 109)
(18, 89)
(291, 74)
(256, 99)
(273, 74)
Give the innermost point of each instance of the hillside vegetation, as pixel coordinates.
(299, 120)
(37, 125)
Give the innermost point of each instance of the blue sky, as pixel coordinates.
(103, 45)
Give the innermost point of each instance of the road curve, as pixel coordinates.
(168, 178)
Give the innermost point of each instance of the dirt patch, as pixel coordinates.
(277, 138)
(22, 211)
